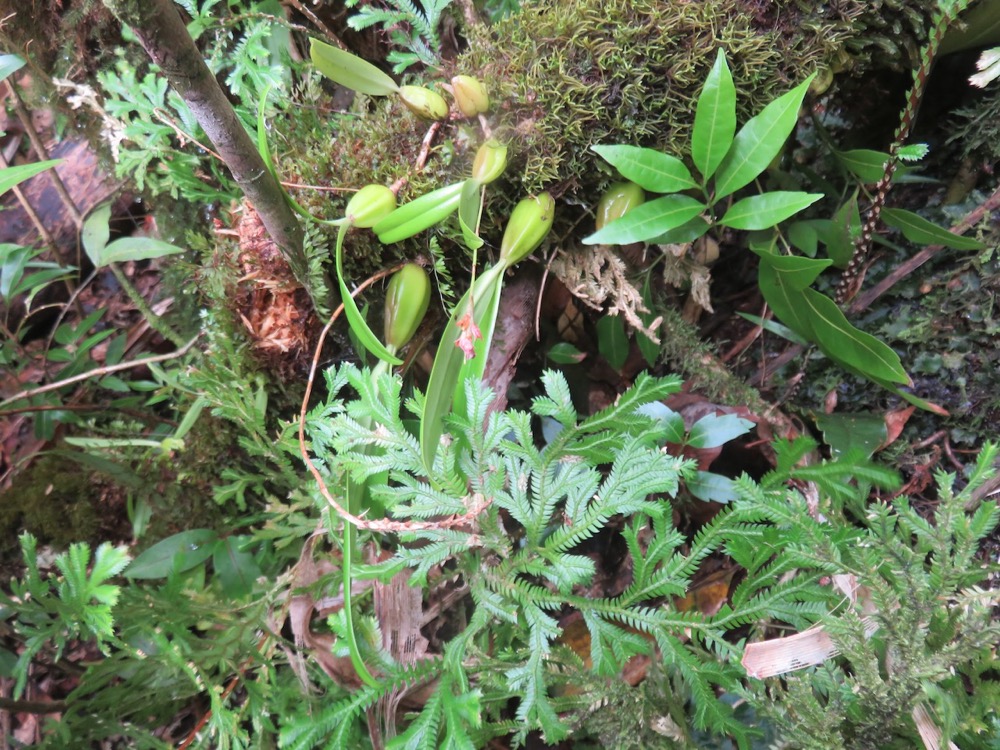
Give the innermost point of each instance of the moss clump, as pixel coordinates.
(568, 75)
(53, 500)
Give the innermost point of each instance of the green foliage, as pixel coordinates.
(920, 585)
(525, 559)
(412, 28)
(49, 613)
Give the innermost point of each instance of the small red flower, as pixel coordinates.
(470, 332)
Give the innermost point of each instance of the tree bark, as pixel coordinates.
(159, 28)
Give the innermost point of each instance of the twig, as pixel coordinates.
(318, 22)
(33, 707)
(40, 227)
(382, 525)
(905, 269)
(425, 150)
(100, 371)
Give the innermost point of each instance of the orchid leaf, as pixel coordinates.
(355, 319)
(350, 70)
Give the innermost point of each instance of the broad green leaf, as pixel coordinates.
(355, 319)
(852, 432)
(237, 570)
(419, 214)
(844, 343)
(10, 64)
(713, 430)
(818, 319)
(470, 206)
(349, 70)
(96, 231)
(711, 487)
(714, 118)
(844, 229)
(919, 230)
(449, 361)
(651, 170)
(565, 353)
(767, 210)
(804, 235)
(797, 272)
(175, 554)
(11, 176)
(865, 164)
(648, 221)
(612, 340)
(134, 249)
(759, 141)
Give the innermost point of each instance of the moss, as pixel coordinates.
(53, 500)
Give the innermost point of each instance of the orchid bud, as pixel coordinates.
(424, 103)
(618, 200)
(370, 205)
(529, 222)
(470, 96)
(406, 302)
(490, 162)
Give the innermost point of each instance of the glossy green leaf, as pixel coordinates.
(714, 118)
(817, 318)
(797, 272)
(175, 554)
(355, 319)
(565, 353)
(759, 141)
(648, 221)
(133, 249)
(612, 341)
(865, 164)
(349, 70)
(10, 64)
(841, 341)
(843, 231)
(919, 230)
(11, 176)
(710, 487)
(470, 206)
(846, 433)
(237, 570)
(767, 210)
(419, 214)
(714, 430)
(445, 378)
(650, 169)
(96, 231)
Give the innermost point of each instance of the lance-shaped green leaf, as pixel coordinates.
(355, 319)
(350, 70)
(796, 272)
(419, 214)
(817, 318)
(759, 141)
(470, 206)
(446, 374)
(767, 210)
(919, 230)
(11, 176)
(96, 231)
(650, 169)
(648, 221)
(714, 119)
(844, 229)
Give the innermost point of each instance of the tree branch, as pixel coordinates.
(159, 28)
